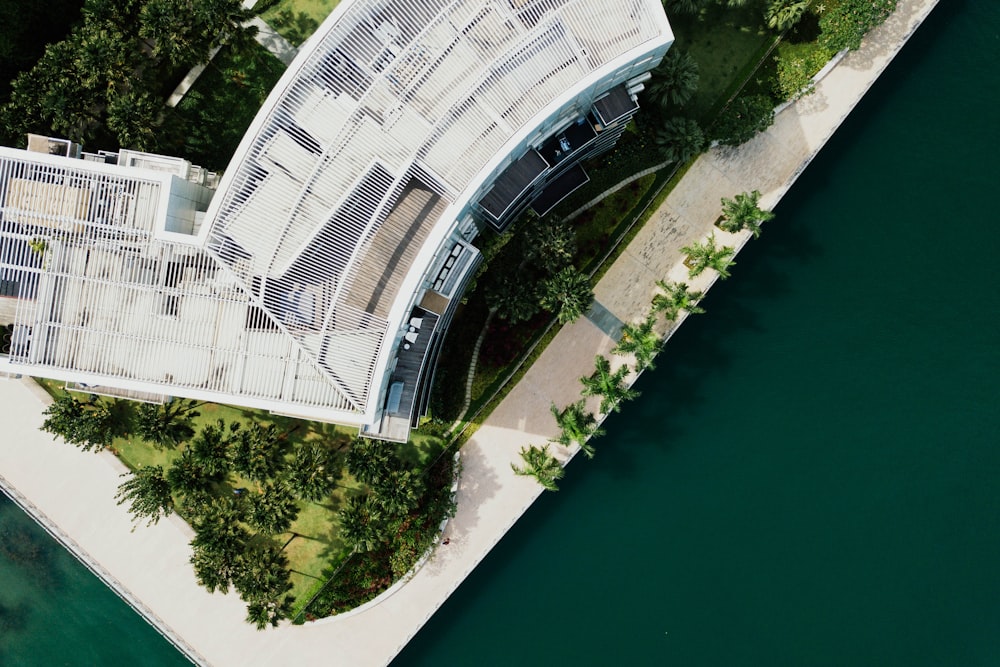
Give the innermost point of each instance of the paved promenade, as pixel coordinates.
(75, 490)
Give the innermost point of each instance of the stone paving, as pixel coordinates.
(75, 490)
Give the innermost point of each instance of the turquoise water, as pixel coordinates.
(811, 475)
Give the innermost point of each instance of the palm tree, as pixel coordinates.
(641, 342)
(609, 386)
(219, 543)
(314, 472)
(133, 117)
(257, 452)
(685, 6)
(264, 612)
(743, 212)
(513, 299)
(89, 424)
(272, 510)
(399, 492)
(541, 465)
(706, 255)
(675, 298)
(165, 425)
(263, 583)
(362, 523)
(549, 244)
(148, 494)
(680, 139)
(568, 294)
(188, 476)
(675, 80)
(370, 461)
(210, 450)
(184, 33)
(577, 426)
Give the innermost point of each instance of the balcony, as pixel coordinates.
(512, 183)
(561, 187)
(568, 143)
(615, 106)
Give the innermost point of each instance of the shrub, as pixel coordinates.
(797, 64)
(743, 119)
(783, 14)
(847, 22)
(680, 139)
(675, 80)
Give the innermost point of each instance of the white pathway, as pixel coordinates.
(75, 490)
(266, 36)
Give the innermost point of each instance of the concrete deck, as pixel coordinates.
(75, 490)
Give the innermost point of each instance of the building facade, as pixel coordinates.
(320, 277)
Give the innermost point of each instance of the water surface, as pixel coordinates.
(811, 475)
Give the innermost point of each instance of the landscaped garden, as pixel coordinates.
(104, 84)
(304, 519)
(279, 506)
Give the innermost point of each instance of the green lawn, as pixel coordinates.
(725, 43)
(296, 20)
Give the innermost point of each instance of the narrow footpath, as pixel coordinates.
(266, 36)
(74, 491)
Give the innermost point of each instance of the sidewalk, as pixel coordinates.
(75, 490)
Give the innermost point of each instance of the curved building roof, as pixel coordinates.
(386, 124)
(296, 291)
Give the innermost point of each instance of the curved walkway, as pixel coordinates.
(75, 490)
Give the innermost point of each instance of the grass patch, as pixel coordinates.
(724, 43)
(597, 225)
(451, 374)
(297, 20)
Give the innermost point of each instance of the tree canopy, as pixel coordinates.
(104, 80)
(314, 472)
(641, 341)
(577, 425)
(148, 494)
(88, 424)
(675, 297)
(610, 387)
(743, 212)
(541, 465)
(568, 294)
(680, 139)
(706, 255)
(742, 120)
(675, 80)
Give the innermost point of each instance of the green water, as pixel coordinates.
(53, 611)
(811, 475)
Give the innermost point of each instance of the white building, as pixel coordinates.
(320, 278)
